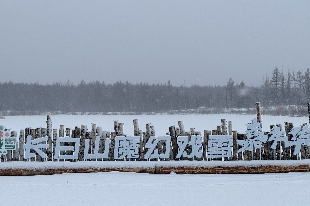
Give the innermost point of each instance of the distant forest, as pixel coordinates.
(278, 90)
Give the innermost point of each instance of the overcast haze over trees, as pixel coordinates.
(187, 42)
(280, 89)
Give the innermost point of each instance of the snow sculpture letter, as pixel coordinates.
(152, 143)
(126, 147)
(255, 137)
(195, 143)
(300, 137)
(74, 148)
(220, 146)
(96, 154)
(34, 144)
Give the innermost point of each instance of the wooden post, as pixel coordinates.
(235, 145)
(92, 138)
(136, 128)
(61, 131)
(292, 148)
(38, 135)
(308, 104)
(181, 125)
(120, 129)
(174, 144)
(112, 146)
(224, 127)
(258, 116)
(21, 144)
(82, 142)
(54, 143)
(205, 144)
(218, 129)
(27, 133)
(230, 132)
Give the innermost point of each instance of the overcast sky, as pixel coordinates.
(201, 42)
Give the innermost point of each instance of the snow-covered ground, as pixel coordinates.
(161, 122)
(116, 188)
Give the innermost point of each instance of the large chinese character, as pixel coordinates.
(96, 154)
(300, 137)
(255, 137)
(153, 151)
(126, 147)
(220, 146)
(60, 148)
(36, 145)
(195, 145)
(278, 135)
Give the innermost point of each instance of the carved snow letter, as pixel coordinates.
(126, 147)
(96, 154)
(153, 152)
(220, 146)
(195, 143)
(74, 148)
(34, 145)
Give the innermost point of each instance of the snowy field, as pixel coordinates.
(161, 122)
(116, 188)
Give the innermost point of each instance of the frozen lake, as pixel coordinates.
(116, 188)
(161, 122)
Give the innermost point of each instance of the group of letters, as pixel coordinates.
(219, 146)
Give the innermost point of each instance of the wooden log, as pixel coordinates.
(308, 104)
(49, 134)
(112, 146)
(224, 127)
(218, 128)
(21, 145)
(116, 128)
(235, 145)
(15, 152)
(27, 133)
(54, 144)
(181, 126)
(258, 115)
(292, 148)
(61, 131)
(230, 132)
(49, 127)
(120, 129)
(61, 134)
(152, 130)
(205, 144)
(136, 128)
(82, 142)
(92, 138)
(174, 144)
(33, 136)
(38, 135)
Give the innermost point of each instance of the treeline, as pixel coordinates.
(279, 89)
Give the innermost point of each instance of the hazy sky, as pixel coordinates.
(193, 42)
